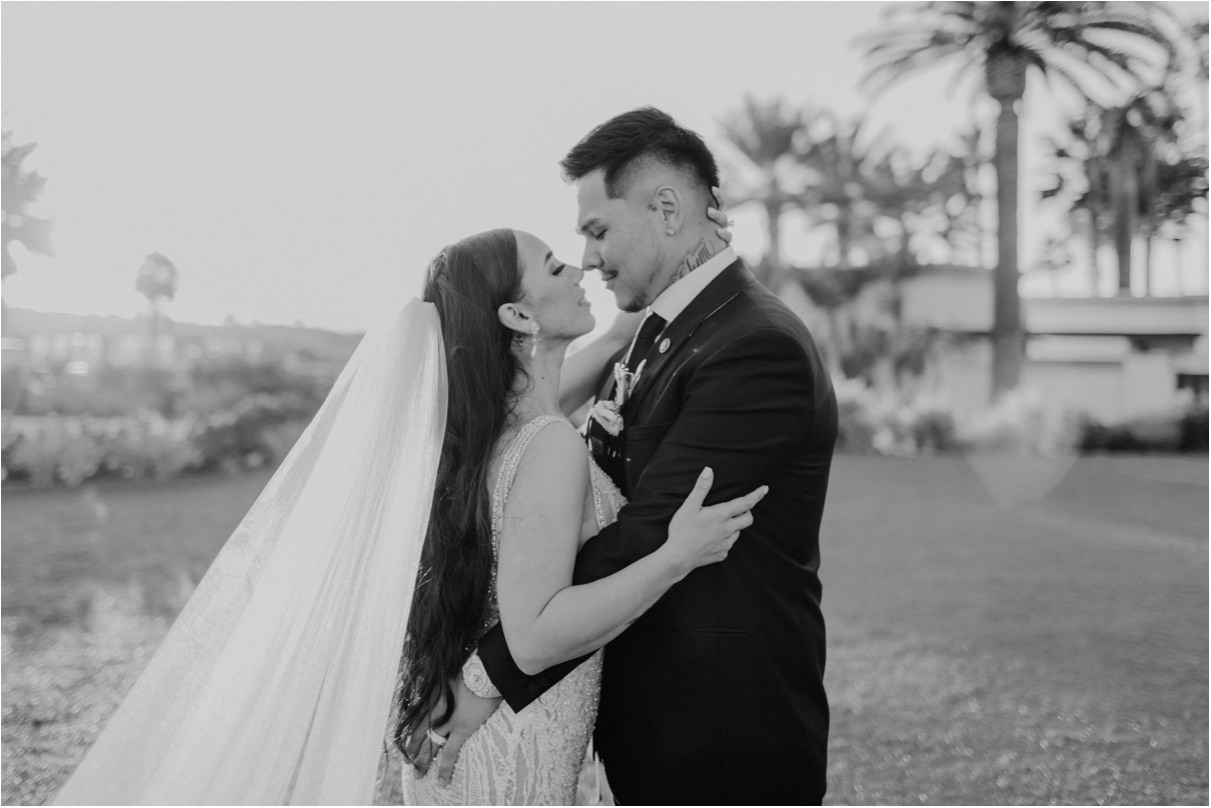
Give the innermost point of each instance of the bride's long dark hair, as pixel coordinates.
(467, 283)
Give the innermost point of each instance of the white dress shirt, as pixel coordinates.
(674, 300)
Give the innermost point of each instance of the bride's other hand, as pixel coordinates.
(582, 370)
(715, 214)
(470, 713)
(701, 535)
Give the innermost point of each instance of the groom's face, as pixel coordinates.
(621, 240)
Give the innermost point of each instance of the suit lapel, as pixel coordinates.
(731, 282)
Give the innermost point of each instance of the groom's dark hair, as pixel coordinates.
(626, 141)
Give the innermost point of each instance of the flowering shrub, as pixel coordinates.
(1020, 422)
(37, 454)
(72, 449)
(254, 432)
(857, 418)
(1183, 429)
(262, 428)
(885, 425)
(75, 448)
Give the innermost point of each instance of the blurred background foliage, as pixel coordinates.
(88, 397)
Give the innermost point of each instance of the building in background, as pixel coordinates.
(1109, 357)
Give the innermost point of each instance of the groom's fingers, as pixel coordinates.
(414, 746)
(411, 746)
(424, 756)
(448, 754)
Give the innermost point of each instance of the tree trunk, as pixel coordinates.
(1095, 251)
(1148, 240)
(1177, 251)
(844, 237)
(833, 348)
(1008, 341)
(1124, 189)
(774, 271)
(153, 335)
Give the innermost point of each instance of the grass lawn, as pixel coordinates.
(1023, 634)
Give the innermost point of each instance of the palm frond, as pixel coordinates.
(1055, 72)
(1141, 29)
(881, 76)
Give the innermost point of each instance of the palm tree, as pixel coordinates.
(846, 168)
(1081, 175)
(1071, 43)
(1145, 132)
(764, 134)
(1139, 175)
(21, 189)
(157, 281)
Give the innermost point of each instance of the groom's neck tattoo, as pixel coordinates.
(696, 257)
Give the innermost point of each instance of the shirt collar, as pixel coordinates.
(672, 301)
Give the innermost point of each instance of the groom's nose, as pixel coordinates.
(589, 260)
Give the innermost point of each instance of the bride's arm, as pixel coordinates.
(582, 370)
(547, 620)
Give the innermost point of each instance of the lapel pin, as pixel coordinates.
(664, 346)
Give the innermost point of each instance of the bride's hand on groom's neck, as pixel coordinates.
(723, 225)
(708, 246)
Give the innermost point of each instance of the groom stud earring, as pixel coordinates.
(669, 231)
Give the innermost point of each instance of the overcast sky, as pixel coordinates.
(302, 162)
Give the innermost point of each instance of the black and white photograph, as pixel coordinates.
(604, 403)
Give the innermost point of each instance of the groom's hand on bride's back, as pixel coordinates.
(470, 713)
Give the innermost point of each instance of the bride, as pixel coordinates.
(530, 497)
(438, 486)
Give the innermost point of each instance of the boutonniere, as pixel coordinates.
(608, 412)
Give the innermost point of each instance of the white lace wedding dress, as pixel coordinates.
(533, 757)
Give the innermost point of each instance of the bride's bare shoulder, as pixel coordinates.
(554, 458)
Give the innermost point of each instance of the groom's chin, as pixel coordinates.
(629, 304)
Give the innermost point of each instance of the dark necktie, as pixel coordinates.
(652, 326)
(601, 443)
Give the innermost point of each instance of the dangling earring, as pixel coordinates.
(534, 337)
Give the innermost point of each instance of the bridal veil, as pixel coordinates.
(274, 685)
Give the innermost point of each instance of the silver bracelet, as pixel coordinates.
(477, 680)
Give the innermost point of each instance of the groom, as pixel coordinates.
(716, 695)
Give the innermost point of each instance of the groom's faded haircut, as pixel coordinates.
(626, 142)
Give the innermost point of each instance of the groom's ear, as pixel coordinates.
(670, 207)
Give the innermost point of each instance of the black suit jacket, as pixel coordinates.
(716, 694)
